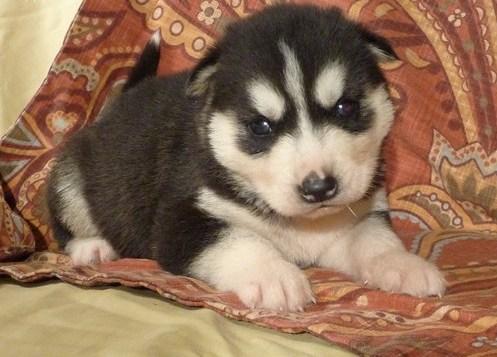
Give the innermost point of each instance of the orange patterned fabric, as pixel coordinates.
(441, 159)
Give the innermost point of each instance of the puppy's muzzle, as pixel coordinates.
(316, 189)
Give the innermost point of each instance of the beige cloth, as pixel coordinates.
(31, 34)
(58, 319)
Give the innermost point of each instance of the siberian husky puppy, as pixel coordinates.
(262, 159)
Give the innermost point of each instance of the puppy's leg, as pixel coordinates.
(249, 265)
(83, 251)
(372, 253)
(72, 224)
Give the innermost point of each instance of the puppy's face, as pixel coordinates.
(297, 108)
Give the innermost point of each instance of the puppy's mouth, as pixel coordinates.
(323, 210)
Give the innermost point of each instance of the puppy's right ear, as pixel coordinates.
(201, 77)
(378, 45)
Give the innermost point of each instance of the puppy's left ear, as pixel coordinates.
(378, 45)
(202, 74)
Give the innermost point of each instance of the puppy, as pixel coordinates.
(263, 159)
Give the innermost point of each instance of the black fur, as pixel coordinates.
(146, 65)
(144, 161)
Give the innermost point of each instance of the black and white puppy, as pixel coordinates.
(262, 159)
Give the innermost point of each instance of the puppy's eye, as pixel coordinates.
(347, 108)
(260, 126)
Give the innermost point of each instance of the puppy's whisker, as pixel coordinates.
(352, 211)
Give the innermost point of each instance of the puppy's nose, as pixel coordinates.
(317, 189)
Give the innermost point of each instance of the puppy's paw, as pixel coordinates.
(90, 251)
(403, 272)
(279, 286)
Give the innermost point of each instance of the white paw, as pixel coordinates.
(89, 251)
(403, 272)
(278, 286)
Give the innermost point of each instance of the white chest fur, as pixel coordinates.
(301, 241)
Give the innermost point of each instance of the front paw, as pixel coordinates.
(403, 272)
(277, 286)
(90, 251)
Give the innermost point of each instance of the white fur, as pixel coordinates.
(372, 253)
(75, 213)
(294, 84)
(156, 38)
(299, 240)
(243, 262)
(266, 99)
(329, 85)
(294, 80)
(377, 99)
(87, 247)
(362, 247)
(379, 200)
(89, 251)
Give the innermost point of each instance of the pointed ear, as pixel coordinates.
(379, 46)
(201, 76)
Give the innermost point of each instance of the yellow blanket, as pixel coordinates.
(58, 319)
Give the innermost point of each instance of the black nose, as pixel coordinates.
(317, 189)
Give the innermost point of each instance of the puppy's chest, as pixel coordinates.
(300, 241)
(305, 243)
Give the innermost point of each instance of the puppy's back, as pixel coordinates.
(109, 176)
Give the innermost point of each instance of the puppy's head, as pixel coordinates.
(297, 108)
